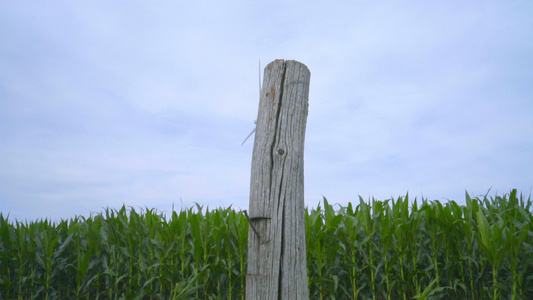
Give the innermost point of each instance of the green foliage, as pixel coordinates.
(124, 254)
(396, 249)
(392, 249)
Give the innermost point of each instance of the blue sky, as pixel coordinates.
(105, 103)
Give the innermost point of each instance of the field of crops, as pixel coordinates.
(393, 249)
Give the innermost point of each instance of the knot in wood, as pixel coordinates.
(281, 151)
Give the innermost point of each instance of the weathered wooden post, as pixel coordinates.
(276, 239)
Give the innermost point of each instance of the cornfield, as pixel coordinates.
(392, 249)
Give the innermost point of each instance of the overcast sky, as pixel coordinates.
(146, 103)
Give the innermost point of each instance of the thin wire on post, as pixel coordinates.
(255, 122)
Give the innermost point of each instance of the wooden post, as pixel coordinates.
(276, 240)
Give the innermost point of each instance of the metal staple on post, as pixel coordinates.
(250, 222)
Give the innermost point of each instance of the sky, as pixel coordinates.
(146, 103)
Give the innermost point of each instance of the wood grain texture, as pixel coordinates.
(276, 256)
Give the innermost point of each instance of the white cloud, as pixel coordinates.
(105, 103)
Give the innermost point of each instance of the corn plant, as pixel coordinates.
(126, 254)
(392, 249)
(397, 249)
